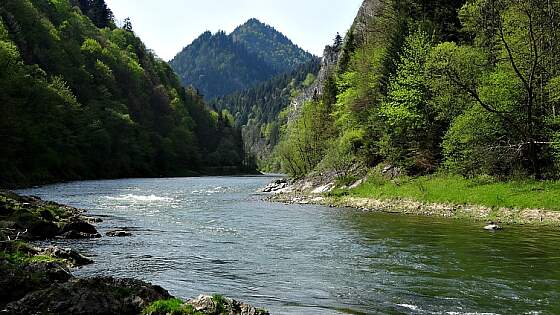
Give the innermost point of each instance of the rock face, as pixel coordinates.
(331, 55)
(89, 297)
(328, 65)
(220, 305)
(368, 11)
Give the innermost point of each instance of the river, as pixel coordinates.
(217, 235)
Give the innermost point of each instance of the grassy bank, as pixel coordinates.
(479, 199)
(483, 191)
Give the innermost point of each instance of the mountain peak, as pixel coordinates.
(254, 21)
(221, 64)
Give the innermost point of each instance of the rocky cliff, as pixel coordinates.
(333, 55)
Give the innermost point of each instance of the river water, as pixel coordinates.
(217, 235)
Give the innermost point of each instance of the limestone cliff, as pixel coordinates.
(332, 55)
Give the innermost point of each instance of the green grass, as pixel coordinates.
(25, 258)
(170, 307)
(19, 252)
(527, 194)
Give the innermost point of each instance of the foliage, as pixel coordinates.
(83, 102)
(270, 45)
(257, 110)
(470, 87)
(306, 139)
(410, 126)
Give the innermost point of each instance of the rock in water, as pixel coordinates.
(74, 257)
(492, 227)
(118, 233)
(80, 226)
(90, 297)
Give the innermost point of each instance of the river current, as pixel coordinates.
(217, 235)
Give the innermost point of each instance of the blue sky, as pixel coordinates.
(166, 26)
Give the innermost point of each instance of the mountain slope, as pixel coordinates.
(221, 64)
(270, 45)
(258, 110)
(79, 101)
(216, 65)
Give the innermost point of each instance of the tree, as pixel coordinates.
(127, 25)
(100, 14)
(506, 74)
(410, 135)
(337, 42)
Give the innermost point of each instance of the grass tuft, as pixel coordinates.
(170, 307)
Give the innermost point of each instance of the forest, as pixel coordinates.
(262, 110)
(221, 64)
(82, 97)
(461, 87)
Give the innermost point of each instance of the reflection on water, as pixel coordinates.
(214, 235)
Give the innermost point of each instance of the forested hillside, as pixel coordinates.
(262, 110)
(220, 64)
(270, 45)
(83, 98)
(467, 87)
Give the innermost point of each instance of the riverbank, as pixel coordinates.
(37, 280)
(480, 199)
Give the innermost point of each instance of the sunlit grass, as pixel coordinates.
(526, 194)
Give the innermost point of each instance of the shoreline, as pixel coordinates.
(35, 279)
(21, 186)
(291, 194)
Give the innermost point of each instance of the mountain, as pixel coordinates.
(217, 65)
(220, 64)
(270, 45)
(82, 98)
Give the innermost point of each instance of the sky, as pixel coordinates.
(167, 26)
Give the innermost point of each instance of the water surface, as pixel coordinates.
(216, 235)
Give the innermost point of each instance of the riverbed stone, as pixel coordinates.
(223, 305)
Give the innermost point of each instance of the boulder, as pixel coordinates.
(276, 185)
(222, 305)
(79, 230)
(42, 230)
(72, 256)
(492, 227)
(18, 280)
(80, 226)
(101, 295)
(75, 235)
